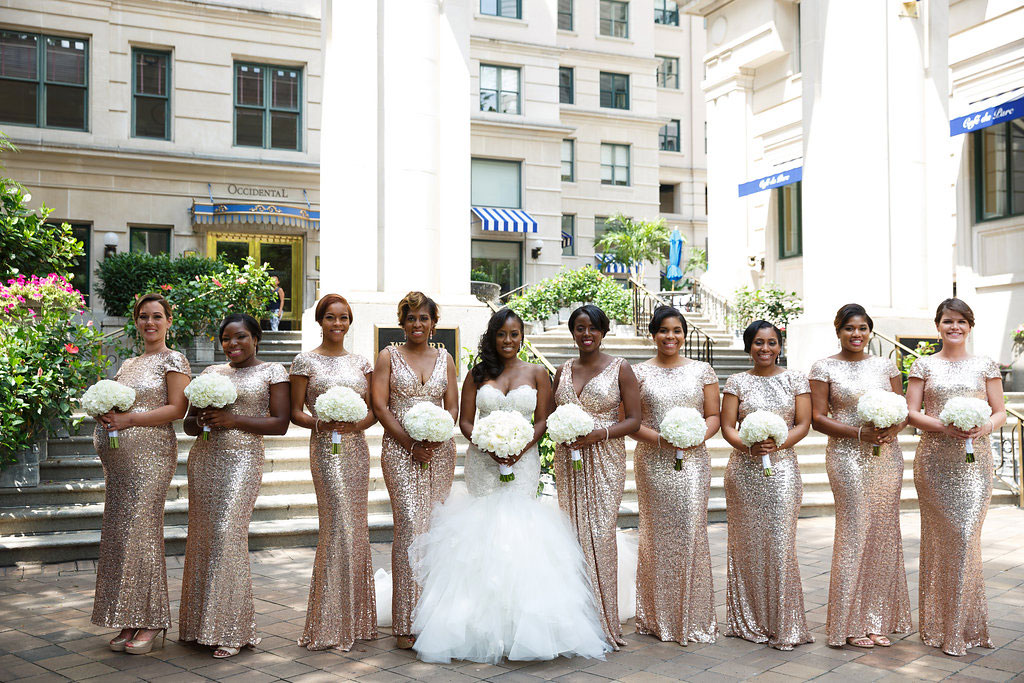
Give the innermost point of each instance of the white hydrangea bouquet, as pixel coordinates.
(684, 428)
(339, 404)
(104, 396)
(504, 433)
(966, 413)
(759, 426)
(428, 422)
(567, 423)
(883, 409)
(210, 391)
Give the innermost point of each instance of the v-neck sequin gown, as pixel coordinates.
(413, 490)
(224, 476)
(868, 586)
(342, 604)
(675, 598)
(954, 497)
(131, 576)
(591, 497)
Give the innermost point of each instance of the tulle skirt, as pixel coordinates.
(502, 576)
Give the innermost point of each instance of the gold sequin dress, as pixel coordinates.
(131, 576)
(590, 497)
(224, 476)
(868, 589)
(342, 606)
(954, 497)
(764, 599)
(413, 490)
(675, 599)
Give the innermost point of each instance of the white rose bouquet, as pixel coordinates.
(566, 424)
(428, 422)
(759, 426)
(966, 413)
(210, 391)
(504, 433)
(683, 428)
(882, 409)
(104, 396)
(339, 404)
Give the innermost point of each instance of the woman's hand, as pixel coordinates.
(420, 453)
(218, 418)
(872, 435)
(595, 436)
(956, 433)
(340, 427)
(114, 420)
(509, 460)
(766, 447)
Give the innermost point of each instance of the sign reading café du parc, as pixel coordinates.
(392, 335)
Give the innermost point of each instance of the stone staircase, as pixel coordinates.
(276, 347)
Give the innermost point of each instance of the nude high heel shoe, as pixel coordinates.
(144, 646)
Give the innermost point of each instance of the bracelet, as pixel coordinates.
(606, 434)
(858, 432)
(316, 427)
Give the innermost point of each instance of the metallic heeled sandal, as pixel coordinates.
(145, 646)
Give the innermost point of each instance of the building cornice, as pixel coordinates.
(517, 46)
(555, 130)
(604, 115)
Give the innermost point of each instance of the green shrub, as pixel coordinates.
(123, 276)
(583, 285)
(771, 303)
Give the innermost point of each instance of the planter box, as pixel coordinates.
(485, 291)
(25, 472)
(200, 350)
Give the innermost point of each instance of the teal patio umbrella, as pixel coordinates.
(675, 256)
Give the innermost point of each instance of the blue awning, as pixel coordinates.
(772, 181)
(608, 264)
(1000, 113)
(505, 220)
(272, 214)
(566, 239)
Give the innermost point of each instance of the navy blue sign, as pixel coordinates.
(772, 181)
(1007, 111)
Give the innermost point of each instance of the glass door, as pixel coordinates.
(282, 253)
(497, 261)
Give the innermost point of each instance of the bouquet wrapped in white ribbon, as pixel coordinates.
(759, 426)
(883, 409)
(428, 422)
(104, 396)
(965, 413)
(210, 391)
(504, 433)
(566, 424)
(339, 404)
(683, 428)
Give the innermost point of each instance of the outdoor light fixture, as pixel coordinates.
(535, 247)
(910, 9)
(110, 241)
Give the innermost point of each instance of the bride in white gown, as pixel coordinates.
(502, 573)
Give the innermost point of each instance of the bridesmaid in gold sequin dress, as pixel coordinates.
(131, 576)
(341, 607)
(225, 471)
(953, 494)
(675, 599)
(600, 384)
(764, 599)
(405, 375)
(868, 595)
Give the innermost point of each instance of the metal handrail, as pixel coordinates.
(712, 306)
(1014, 441)
(528, 347)
(510, 292)
(697, 344)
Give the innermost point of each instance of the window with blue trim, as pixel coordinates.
(43, 80)
(268, 106)
(614, 90)
(151, 94)
(999, 170)
(501, 8)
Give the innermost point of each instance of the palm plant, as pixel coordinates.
(635, 241)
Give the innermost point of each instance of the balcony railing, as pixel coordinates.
(697, 345)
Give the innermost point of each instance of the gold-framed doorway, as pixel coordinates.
(282, 252)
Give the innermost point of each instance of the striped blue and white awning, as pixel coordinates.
(505, 220)
(266, 214)
(566, 239)
(608, 264)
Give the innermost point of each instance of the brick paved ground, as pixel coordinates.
(45, 632)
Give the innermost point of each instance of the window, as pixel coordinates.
(500, 8)
(614, 90)
(151, 94)
(268, 109)
(568, 161)
(80, 279)
(600, 228)
(565, 15)
(615, 18)
(614, 164)
(495, 183)
(499, 89)
(790, 230)
(668, 73)
(501, 261)
(568, 231)
(668, 136)
(150, 240)
(667, 197)
(999, 170)
(43, 80)
(566, 85)
(666, 12)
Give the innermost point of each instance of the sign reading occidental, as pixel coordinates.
(772, 181)
(1008, 111)
(257, 191)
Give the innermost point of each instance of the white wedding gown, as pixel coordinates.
(501, 571)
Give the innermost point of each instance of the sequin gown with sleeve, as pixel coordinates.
(413, 490)
(131, 576)
(868, 588)
(590, 497)
(954, 497)
(764, 599)
(224, 476)
(342, 607)
(675, 599)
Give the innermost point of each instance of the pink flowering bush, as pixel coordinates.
(30, 297)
